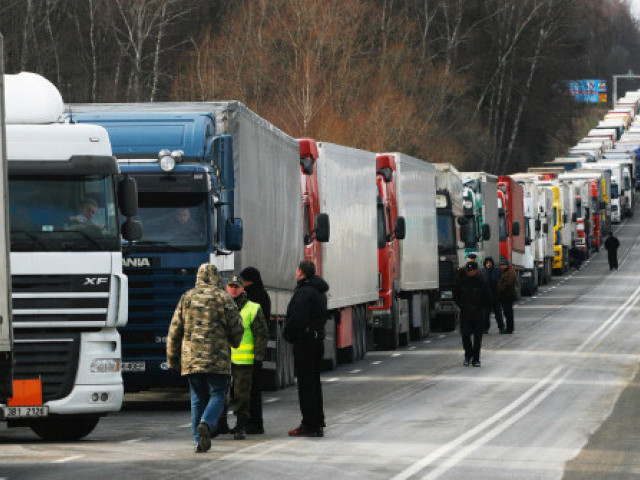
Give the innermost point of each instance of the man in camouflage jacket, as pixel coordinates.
(204, 327)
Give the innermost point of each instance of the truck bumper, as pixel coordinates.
(381, 319)
(82, 400)
(526, 280)
(446, 307)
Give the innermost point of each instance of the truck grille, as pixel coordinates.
(153, 296)
(51, 357)
(60, 298)
(446, 273)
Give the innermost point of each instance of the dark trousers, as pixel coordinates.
(612, 256)
(256, 396)
(471, 329)
(307, 359)
(242, 380)
(507, 308)
(496, 308)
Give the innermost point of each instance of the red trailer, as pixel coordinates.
(512, 222)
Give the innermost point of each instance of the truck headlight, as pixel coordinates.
(446, 295)
(105, 365)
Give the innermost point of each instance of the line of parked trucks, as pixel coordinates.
(386, 230)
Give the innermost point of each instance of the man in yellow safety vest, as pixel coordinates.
(253, 347)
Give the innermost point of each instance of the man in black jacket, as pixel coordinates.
(256, 292)
(612, 244)
(491, 275)
(304, 328)
(473, 297)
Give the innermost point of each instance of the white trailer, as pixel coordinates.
(346, 189)
(484, 189)
(418, 277)
(6, 330)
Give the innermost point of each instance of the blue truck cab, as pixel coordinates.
(185, 176)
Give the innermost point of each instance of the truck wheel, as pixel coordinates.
(331, 348)
(426, 317)
(357, 333)
(363, 332)
(388, 338)
(65, 428)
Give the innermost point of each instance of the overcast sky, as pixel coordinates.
(635, 7)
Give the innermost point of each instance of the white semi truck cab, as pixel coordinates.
(69, 294)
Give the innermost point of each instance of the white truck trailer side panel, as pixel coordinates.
(346, 183)
(267, 196)
(416, 194)
(6, 332)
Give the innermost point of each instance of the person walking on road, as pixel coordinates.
(491, 275)
(472, 295)
(612, 244)
(507, 286)
(256, 292)
(252, 349)
(304, 328)
(204, 327)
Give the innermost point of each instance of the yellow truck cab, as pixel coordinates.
(558, 226)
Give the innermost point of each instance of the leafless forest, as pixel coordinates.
(479, 83)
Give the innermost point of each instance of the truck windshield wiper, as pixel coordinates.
(153, 243)
(95, 242)
(33, 237)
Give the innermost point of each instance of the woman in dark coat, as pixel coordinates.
(256, 292)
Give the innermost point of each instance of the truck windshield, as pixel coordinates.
(614, 190)
(54, 213)
(172, 220)
(446, 239)
(502, 224)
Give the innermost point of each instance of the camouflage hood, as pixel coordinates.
(208, 276)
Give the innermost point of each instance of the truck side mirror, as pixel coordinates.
(128, 196)
(515, 229)
(401, 228)
(131, 230)
(545, 228)
(322, 229)
(574, 217)
(233, 234)
(307, 166)
(486, 231)
(538, 225)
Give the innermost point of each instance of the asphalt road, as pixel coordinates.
(559, 398)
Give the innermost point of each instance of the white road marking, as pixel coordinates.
(334, 379)
(427, 341)
(357, 370)
(396, 354)
(377, 362)
(539, 392)
(67, 459)
(136, 440)
(186, 425)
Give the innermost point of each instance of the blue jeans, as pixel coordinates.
(208, 391)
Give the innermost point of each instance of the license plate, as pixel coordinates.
(25, 412)
(133, 366)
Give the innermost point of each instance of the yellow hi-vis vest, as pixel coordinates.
(243, 355)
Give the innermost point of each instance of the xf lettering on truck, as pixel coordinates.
(94, 281)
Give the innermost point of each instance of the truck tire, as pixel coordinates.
(363, 333)
(389, 338)
(331, 347)
(65, 428)
(357, 333)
